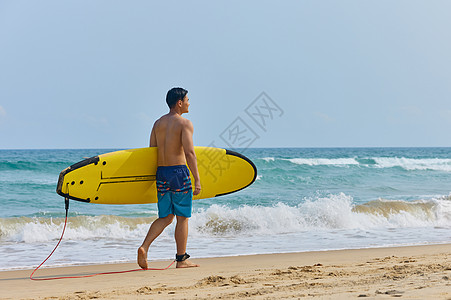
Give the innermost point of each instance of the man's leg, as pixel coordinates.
(181, 238)
(155, 230)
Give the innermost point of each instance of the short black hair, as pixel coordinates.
(174, 95)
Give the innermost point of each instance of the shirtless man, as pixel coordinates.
(173, 135)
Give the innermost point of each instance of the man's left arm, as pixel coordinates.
(153, 138)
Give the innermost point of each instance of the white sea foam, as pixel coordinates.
(321, 213)
(324, 161)
(32, 230)
(268, 159)
(436, 164)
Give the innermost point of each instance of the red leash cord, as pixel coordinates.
(84, 276)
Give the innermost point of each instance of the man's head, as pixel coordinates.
(175, 95)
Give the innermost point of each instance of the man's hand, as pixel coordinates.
(197, 188)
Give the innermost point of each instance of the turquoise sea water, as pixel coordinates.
(303, 199)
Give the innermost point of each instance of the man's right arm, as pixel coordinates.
(191, 159)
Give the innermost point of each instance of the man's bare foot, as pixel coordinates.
(186, 264)
(142, 258)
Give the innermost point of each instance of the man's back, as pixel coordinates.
(167, 136)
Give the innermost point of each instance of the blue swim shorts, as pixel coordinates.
(174, 191)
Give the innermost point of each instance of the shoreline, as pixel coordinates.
(413, 272)
(202, 257)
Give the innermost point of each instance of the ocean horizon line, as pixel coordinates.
(241, 149)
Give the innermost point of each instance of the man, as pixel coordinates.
(173, 135)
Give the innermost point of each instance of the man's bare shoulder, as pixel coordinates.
(181, 121)
(186, 122)
(160, 120)
(186, 125)
(157, 121)
(175, 120)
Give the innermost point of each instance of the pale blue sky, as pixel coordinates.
(94, 74)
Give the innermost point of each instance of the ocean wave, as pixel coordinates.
(333, 212)
(324, 161)
(268, 159)
(33, 165)
(410, 164)
(323, 213)
(41, 229)
(435, 164)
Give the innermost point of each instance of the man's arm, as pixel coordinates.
(191, 159)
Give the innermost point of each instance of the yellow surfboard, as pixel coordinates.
(128, 176)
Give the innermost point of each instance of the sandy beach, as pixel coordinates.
(415, 272)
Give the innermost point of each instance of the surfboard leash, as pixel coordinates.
(66, 201)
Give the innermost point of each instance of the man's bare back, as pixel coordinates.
(173, 135)
(167, 136)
